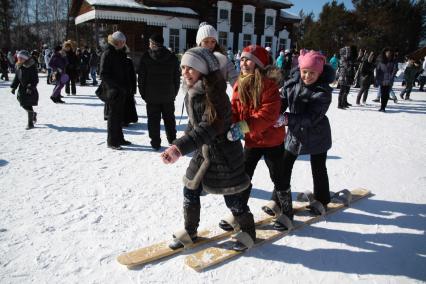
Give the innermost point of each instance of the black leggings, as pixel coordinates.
(235, 202)
(363, 90)
(28, 108)
(319, 174)
(274, 161)
(384, 91)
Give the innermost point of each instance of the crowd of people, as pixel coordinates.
(278, 106)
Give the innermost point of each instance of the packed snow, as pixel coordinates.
(69, 205)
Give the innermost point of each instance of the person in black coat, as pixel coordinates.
(4, 66)
(130, 114)
(26, 79)
(158, 82)
(385, 72)
(71, 69)
(366, 77)
(84, 65)
(93, 63)
(308, 96)
(113, 73)
(346, 74)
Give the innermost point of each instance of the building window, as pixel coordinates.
(174, 40)
(283, 44)
(246, 40)
(223, 39)
(223, 14)
(248, 18)
(269, 21)
(268, 41)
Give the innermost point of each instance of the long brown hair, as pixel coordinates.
(250, 88)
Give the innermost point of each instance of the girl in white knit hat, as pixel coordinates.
(217, 165)
(207, 37)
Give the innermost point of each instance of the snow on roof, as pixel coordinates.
(133, 4)
(175, 10)
(283, 2)
(116, 3)
(289, 15)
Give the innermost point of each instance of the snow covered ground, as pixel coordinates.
(69, 205)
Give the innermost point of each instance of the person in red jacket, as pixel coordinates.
(256, 106)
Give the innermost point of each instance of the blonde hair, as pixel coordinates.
(210, 111)
(250, 88)
(114, 42)
(69, 43)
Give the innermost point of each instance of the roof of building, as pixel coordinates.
(116, 3)
(282, 2)
(288, 15)
(133, 4)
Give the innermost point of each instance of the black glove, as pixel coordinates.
(29, 91)
(13, 91)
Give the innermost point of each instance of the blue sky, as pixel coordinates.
(314, 6)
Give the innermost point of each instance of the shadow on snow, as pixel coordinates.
(380, 253)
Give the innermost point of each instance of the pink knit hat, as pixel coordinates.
(311, 60)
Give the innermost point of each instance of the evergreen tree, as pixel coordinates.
(372, 25)
(5, 20)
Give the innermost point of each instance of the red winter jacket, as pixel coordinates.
(261, 120)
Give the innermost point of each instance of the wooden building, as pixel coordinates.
(239, 22)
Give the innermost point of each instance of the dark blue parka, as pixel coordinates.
(309, 130)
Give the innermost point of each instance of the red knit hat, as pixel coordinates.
(311, 60)
(257, 54)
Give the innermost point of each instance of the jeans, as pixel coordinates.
(93, 75)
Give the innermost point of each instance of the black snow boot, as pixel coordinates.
(345, 101)
(34, 117)
(246, 222)
(340, 101)
(30, 124)
(192, 219)
(284, 197)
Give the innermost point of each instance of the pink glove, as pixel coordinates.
(171, 155)
(282, 120)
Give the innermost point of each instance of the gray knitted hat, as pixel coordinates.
(201, 59)
(23, 54)
(118, 36)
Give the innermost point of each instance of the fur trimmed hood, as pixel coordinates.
(273, 73)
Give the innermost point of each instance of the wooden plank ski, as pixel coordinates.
(161, 250)
(219, 253)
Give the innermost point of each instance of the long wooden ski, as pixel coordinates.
(161, 250)
(223, 251)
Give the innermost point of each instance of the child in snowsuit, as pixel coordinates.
(58, 63)
(26, 79)
(256, 106)
(217, 165)
(307, 97)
